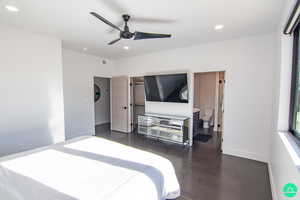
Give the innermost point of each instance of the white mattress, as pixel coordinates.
(87, 168)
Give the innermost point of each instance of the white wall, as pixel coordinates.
(248, 89)
(79, 71)
(102, 106)
(32, 113)
(281, 166)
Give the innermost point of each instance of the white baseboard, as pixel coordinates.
(101, 123)
(256, 157)
(79, 134)
(244, 154)
(272, 182)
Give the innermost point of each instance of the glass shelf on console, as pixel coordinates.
(162, 127)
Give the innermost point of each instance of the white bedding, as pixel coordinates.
(87, 168)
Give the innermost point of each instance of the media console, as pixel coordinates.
(163, 127)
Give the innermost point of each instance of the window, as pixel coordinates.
(295, 88)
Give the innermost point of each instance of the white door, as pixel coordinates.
(119, 103)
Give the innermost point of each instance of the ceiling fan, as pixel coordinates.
(126, 34)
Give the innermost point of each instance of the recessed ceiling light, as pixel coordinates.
(126, 47)
(219, 27)
(12, 8)
(85, 49)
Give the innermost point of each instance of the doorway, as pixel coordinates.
(208, 108)
(137, 100)
(102, 104)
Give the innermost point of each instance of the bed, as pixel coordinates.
(87, 168)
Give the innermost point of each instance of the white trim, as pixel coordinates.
(244, 154)
(191, 85)
(110, 103)
(272, 182)
(129, 127)
(216, 114)
(292, 148)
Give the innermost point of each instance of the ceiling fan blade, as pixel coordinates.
(144, 20)
(142, 36)
(114, 41)
(119, 24)
(105, 21)
(151, 20)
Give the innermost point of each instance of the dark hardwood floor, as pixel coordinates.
(203, 172)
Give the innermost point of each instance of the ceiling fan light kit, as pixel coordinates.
(126, 34)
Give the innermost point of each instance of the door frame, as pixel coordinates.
(224, 99)
(93, 104)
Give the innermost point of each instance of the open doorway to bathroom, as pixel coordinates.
(208, 108)
(102, 104)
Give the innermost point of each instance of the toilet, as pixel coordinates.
(208, 118)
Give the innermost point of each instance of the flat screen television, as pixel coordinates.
(167, 88)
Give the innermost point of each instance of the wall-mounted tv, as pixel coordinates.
(167, 88)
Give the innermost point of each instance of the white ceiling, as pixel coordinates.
(191, 22)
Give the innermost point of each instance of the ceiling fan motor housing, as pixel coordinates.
(126, 17)
(126, 34)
